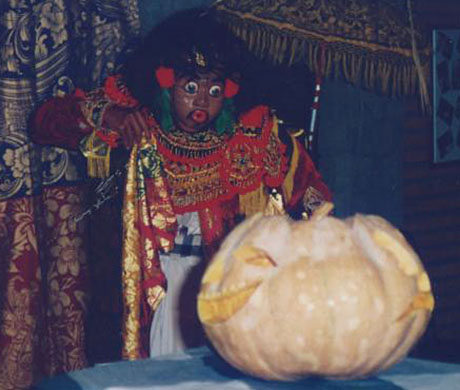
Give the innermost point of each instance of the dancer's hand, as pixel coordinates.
(130, 123)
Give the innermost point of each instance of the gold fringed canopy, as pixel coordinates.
(368, 42)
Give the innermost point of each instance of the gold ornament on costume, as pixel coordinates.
(200, 60)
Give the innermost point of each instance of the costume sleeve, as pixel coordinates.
(65, 121)
(303, 187)
(60, 122)
(78, 122)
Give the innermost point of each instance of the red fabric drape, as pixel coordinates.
(44, 286)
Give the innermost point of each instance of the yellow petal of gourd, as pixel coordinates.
(218, 307)
(423, 282)
(253, 256)
(214, 272)
(406, 261)
(422, 301)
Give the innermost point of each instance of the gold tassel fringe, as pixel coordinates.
(398, 72)
(97, 153)
(253, 202)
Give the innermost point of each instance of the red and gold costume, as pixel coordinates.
(221, 177)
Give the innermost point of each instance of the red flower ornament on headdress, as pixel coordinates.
(230, 88)
(165, 77)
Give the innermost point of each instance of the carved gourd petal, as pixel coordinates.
(253, 256)
(423, 282)
(215, 308)
(422, 301)
(214, 272)
(406, 260)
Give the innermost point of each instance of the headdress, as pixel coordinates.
(201, 45)
(187, 43)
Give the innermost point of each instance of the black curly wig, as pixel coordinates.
(173, 43)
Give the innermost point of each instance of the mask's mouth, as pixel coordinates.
(200, 116)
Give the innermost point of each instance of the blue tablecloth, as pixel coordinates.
(202, 369)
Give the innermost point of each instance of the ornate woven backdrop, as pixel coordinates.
(46, 47)
(368, 43)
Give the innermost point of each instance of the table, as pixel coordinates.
(203, 369)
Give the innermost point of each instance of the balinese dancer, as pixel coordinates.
(200, 160)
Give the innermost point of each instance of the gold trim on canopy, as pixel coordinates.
(367, 42)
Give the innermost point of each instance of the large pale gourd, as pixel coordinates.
(329, 297)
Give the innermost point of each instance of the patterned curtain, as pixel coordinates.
(46, 48)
